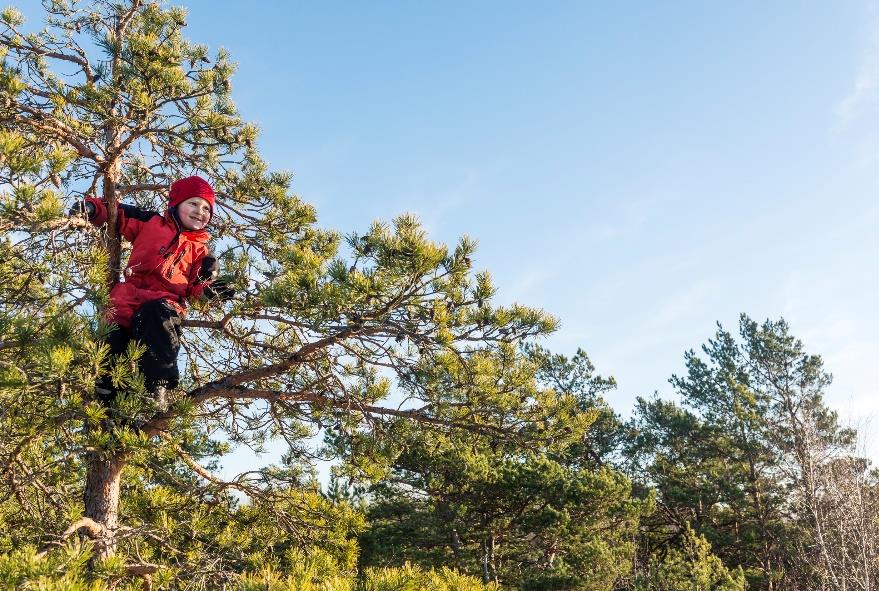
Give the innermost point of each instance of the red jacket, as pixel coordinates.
(164, 261)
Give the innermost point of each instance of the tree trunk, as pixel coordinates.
(491, 557)
(114, 242)
(104, 470)
(485, 575)
(102, 485)
(456, 548)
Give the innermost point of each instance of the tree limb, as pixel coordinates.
(95, 530)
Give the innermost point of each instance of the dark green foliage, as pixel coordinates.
(532, 513)
(689, 566)
(730, 459)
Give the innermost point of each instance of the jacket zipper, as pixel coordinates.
(165, 251)
(175, 262)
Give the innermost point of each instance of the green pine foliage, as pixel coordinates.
(543, 510)
(690, 566)
(66, 569)
(411, 578)
(308, 577)
(734, 459)
(62, 569)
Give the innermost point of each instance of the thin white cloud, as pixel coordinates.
(528, 283)
(867, 80)
(832, 314)
(436, 206)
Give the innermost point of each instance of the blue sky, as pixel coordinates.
(641, 170)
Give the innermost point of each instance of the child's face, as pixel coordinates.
(194, 213)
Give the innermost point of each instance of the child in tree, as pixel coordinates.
(169, 264)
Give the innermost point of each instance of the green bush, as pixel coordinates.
(309, 577)
(61, 570)
(65, 569)
(691, 567)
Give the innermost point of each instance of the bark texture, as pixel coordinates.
(103, 481)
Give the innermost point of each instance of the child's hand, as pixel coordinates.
(82, 207)
(210, 268)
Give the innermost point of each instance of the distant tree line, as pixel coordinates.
(747, 480)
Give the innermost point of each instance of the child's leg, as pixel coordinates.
(118, 339)
(156, 324)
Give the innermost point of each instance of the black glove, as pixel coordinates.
(82, 207)
(220, 289)
(210, 268)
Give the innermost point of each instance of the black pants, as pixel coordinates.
(157, 326)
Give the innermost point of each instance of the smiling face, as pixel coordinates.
(194, 213)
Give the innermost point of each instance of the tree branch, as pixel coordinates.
(95, 530)
(126, 189)
(205, 473)
(227, 385)
(57, 128)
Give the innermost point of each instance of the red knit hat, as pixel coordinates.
(191, 186)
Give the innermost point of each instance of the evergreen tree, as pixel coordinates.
(690, 566)
(110, 99)
(730, 459)
(551, 514)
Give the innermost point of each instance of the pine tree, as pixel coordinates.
(690, 566)
(110, 99)
(730, 460)
(551, 513)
